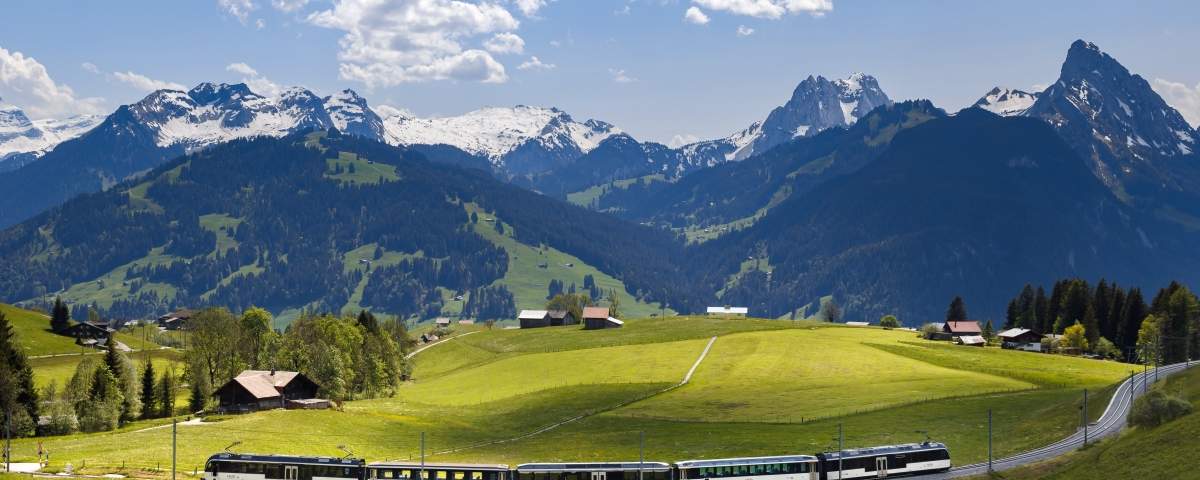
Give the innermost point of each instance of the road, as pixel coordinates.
(1111, 421)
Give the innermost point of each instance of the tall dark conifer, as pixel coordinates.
(60, 316)
(18, 392)
(1053, 306)
(1102, 304)
(1042, 307)
(1133, 313)
(149, 398)
(957, 312)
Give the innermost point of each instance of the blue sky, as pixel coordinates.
(656, 68)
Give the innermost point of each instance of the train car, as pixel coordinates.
(436, 471)
(236, 466)
(790, 467)
(594, 471)
(881, 462)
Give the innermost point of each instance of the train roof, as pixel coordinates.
(270, 458)
(884, 450)
(446, 466)
(595, 466)
(727, 462)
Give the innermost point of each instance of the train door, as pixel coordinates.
(881, 467)
(291, 472)
(599, 475)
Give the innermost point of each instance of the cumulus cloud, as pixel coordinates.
(625, 10)
(695, 15)
(529, 8)
(771, 9)
(25, 82)
(619, 76)
(239, 9)
(257, 82)
(389, 43)
(144, 83)
(534, 63)
(744, 31)
(681, 139)
(505, 42)
(89, 67)
(1182, 97)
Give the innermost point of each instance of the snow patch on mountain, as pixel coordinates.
(494, 132)
(20, 135)
(1007, 102)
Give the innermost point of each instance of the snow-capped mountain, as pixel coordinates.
(1134, 142)
(519, 140)
(1006, 102)
(816, 104)
(351, 115)
(22, 139)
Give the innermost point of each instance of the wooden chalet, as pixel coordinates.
(958, 329)
(562, 317)
(596, 318)
(534, 318)
(255, 390)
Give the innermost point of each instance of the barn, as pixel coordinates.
(534, 318)
(728, 311)
(958, 329)
(596, 318)
(1021, 339)
(261, 390)
(562, 317)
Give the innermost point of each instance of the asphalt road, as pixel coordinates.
(1111, 422)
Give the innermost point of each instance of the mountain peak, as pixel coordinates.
(1006, 102)
(207, 92)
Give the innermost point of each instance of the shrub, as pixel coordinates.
(928, 330)
(1156, 408)
(889, 321)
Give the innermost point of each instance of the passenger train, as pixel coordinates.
(874, 462)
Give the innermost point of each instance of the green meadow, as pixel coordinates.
(562, 393)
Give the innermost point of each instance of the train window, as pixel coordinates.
(441, 475)
(476, 475)
(459, 475)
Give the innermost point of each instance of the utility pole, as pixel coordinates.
(641, 452)
(1085, 418)
(174, 443)
(840, 449)
(989, 440)
(422, 456)
(8, 439)
(1145, 377)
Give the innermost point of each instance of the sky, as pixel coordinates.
(662, 70)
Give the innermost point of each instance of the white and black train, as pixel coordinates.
(874, 462)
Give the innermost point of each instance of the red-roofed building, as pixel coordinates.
(958, 329)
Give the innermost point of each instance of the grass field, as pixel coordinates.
(586, 197)
(1160, 452)
(766, 387)
(531, 267)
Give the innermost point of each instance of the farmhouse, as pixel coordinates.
(958, 329)
(596, 318)
(91, 334)
(176, 320)
(562, 317)
(441, 322)
(971, 340)
(260, 390)
(1021, 339)
(534, 318)
(727, 310)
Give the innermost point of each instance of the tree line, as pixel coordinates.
(1107, 313)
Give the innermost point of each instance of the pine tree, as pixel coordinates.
(60, 316)
(1102, 305)
(957, 312)
(368, 321)
(1011, 314)
(17, 393)
(199, 393)
(1133, 314)
(989, 332)
(1040, 305)
(166, 394)
(148, 394)
(1050, 322)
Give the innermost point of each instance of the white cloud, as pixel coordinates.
(626, 10)
(26, 83)
(744, 31)
(534, 63)
(416, 40)
(695, 15)
(288, 6)
(260, 24)
(144, 83)
(529, 8)
(89, 67)
(772, 9)
(505, 42)
(239, 9)
(1183, 98)
(679, 140)
(258, 83)
(619, 76)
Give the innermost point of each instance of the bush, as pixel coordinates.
(928, 330)
(1156, 408)
(889, 321)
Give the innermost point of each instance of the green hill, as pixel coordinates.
(562, 393)
(1159, 452)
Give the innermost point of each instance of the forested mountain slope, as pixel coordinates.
(286, 224)
(967, 205)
